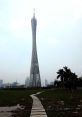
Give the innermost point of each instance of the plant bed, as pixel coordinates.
(62, 102)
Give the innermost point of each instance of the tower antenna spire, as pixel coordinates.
(34, 12)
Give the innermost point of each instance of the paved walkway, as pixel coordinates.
(37, 108)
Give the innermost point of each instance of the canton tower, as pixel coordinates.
(35, 80)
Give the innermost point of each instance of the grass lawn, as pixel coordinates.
(11, 97)
(57, 102)
(62, 103)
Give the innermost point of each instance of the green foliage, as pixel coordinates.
(68, 79)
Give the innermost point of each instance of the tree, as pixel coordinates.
(60, 75)
(67, 78)
(67, 73)
(79, 82)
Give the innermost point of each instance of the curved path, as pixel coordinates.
(37, 108)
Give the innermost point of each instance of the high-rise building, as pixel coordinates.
(1, 83)
(27, 82)
(35, 80)
(46, 83)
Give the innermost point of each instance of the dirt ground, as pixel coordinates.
(7, 111)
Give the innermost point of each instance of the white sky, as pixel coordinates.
(59, 37)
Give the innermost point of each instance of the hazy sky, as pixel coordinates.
(59, 37)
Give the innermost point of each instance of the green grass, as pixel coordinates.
(11, 97)
(51, 100)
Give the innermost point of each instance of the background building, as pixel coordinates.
(27, 82)
(1, 83)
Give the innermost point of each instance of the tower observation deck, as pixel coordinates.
(35, 80)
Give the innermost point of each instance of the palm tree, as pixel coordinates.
(68, 78)
(67, 73)
(73, 80)
(60, 74)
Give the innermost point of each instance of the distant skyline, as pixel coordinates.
(59, 37)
